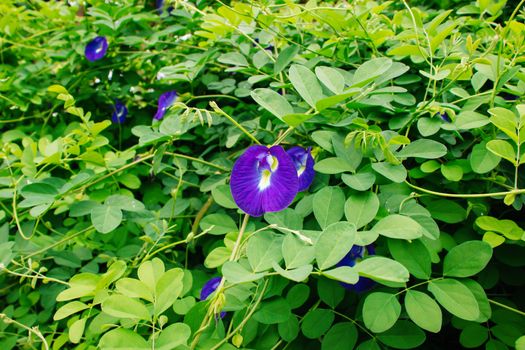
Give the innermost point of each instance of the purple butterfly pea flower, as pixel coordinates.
(96, 48)
(165, 101)
(356, 254)
(264, 179)
(159, 4)
(210, 287)
(120, 112)
(445, 117)
(304, 163)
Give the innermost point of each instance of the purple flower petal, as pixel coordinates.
(304, 163)
(120, 113)
(356, 254)
(210, 287)
(445, 117)
(165, 101)
(264, 180)
(96, 48)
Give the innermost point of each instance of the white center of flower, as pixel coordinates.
(266, 174)
(301, 170)
(265, 180)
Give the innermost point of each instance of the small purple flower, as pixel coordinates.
(159, 4)
(96, 48)
(165, 101)
(356, 254)
(508, 96)
(445, 117)
(120, 112)
(210, 287)
(304, 163)
(264, 179)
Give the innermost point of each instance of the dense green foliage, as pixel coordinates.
(108, 231)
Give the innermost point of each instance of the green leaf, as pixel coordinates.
(296, 253)
(106, 218)
(328, 205)
(236, 273)
(285, 57)
(371, 344)
(217, 257)
(306, 84)
(122, 339)
(455, 298)
(333, 165)
(423, 310)
(446, 210)
(506, 227)
(481, 160)
(126, 203)
(361, 208)
(133, 288)
(485, 312)
(167, 290)
(273, 311)
(382, 269)
(76, 330)
(395, 173)
(233, 58)
(331, 78)
(316, 322)
(222, 224)
(345, 274)
(334, 243)
(342, 336)
(272, 102)
(473, 336)
(404, 335)
(69, 309)
(122, 306)
(173, 336)
(428, 126)
(371, 70)
(296, 119)
(503, 149)
(380, 311)
(222, 196)
(288, 219)
(399, 227)
(413, 255)
(263, 250)
(360, 181)
(505, 120)
(289, 330)
(150, 272)
(330, 292)
(452, 172)
(467, 259)
(423, 148)
(37, 193)
(297, 295)
(298, 274)
(330, 101)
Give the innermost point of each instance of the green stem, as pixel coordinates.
(217, 109)
(245, 319)
(198, 160)
(205, 322)
(507, 307)
(465, 195)
(32, 330)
